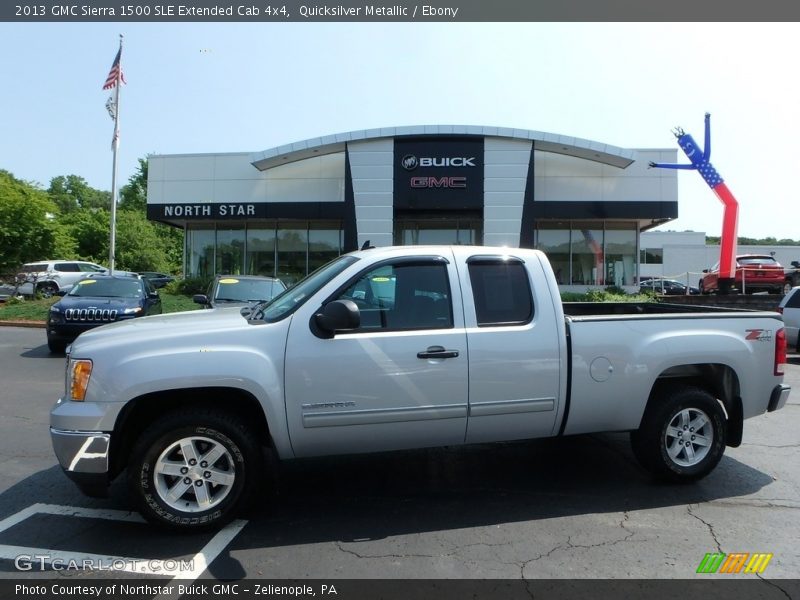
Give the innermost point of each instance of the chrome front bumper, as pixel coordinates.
(81, 451)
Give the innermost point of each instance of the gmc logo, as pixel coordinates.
(439, 182)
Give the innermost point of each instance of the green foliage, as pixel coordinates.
(71, 192)
(189, 286)
(610, 294)
(28, 231)
(713, 240)
(133, 196)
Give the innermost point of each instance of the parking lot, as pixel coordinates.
(565, 508)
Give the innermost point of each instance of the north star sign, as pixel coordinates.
(205, 210)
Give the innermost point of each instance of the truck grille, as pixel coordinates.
(90, 315)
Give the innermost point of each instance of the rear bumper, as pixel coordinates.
(778, 398)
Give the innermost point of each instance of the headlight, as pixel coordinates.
(78, 373)
(55, 309)
(132, 311)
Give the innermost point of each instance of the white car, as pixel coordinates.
(790, 309)
(52, 276)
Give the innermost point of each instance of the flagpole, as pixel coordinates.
(115, 147)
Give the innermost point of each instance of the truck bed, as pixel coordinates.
(609, 309)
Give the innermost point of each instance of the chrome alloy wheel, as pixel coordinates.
(194, 474)
(689, 437)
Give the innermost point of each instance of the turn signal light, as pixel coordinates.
(80, 371)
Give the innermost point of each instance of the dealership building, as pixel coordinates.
(285, 211)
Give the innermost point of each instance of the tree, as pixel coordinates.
(29, 231)
(133, 196)
(71, 192)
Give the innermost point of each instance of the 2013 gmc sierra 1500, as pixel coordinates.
(395, 348)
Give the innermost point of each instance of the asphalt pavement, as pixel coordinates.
(575, 507)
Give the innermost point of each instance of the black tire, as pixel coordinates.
(56, 346)
(680, 410)
(160, 447)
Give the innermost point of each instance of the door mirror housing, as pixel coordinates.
(200, 299)
(339, 315)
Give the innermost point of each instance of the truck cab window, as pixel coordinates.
(502, 293)
(403, 296)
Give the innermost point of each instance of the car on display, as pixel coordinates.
(754, 273)
(667, 287)
(790, 309)
(399, 348)
(239, 290)
(98, 300)
(157, 280)
(50, 276)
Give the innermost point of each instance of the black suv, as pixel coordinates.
(97, 300)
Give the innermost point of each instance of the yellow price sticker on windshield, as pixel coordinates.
(88, 281)
(229, 280)
(381, 279)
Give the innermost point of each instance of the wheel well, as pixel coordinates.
(140, 412)
(718, 380)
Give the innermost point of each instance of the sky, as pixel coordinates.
(241, 87)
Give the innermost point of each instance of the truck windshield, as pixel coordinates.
(289, 301)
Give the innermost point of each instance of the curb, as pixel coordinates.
(32, 324)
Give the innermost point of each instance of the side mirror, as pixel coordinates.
(705, 270)
(338, 315)
(153, 295)
(61, 293)
(200, 299)
(796, 264)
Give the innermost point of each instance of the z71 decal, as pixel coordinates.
(759, 335)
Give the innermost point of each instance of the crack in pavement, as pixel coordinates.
(775, 585)
(707, 524)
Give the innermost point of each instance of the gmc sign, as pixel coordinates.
(439, 182)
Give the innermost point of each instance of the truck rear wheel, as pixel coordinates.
(682, 435)
(193, 470)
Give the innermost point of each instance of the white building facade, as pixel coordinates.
(285, 211)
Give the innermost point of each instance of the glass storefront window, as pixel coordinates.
(230, 250)
(555, 243)
(587, 255)
(590, 252)
(200, 252)
(416, 232)
(292, 252)
(323, 245)
(261, 251)
(620, 254)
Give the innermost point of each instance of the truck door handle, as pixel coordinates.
(437, 352)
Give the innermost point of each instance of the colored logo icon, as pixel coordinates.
(737, 562)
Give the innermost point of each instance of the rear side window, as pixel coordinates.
(34, 268)
(501, 291)
(67, 267)
(794, 300)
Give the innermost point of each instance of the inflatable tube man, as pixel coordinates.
(730, 221)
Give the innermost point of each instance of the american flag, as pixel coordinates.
(115, 73)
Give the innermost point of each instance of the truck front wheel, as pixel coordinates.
(192, 470)
(682, 435)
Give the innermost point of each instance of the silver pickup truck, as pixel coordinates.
(405, 347)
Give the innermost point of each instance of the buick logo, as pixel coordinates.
(409, 162)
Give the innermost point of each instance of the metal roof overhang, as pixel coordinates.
(545, 142)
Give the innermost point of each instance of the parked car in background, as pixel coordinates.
(791, 276)
(790, 309)
(239, 290)
(98, 300)
(157, 280)
(50, 276)
(754, 273)
(667, 287)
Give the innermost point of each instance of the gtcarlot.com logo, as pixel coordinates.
(737, 562)
(46, 562)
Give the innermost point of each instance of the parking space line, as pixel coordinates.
(150, 566)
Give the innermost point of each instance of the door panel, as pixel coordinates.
(367, 390)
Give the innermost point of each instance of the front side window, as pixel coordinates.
(501, 291)
(403, 296)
